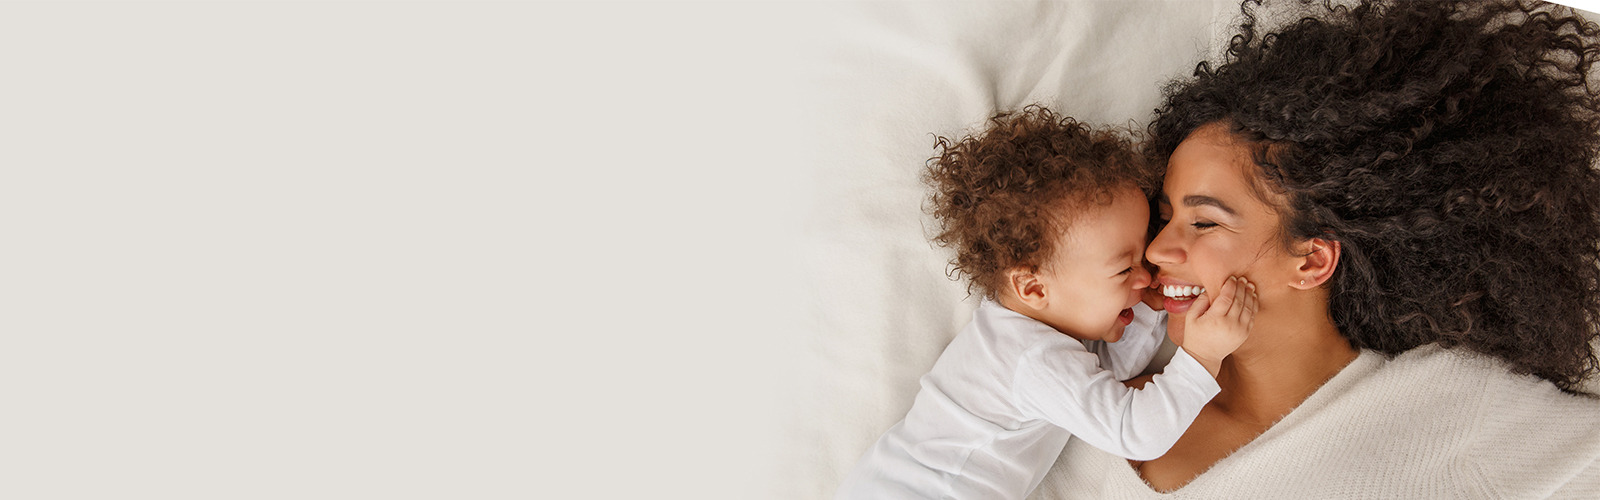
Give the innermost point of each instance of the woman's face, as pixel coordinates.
(1215, 226)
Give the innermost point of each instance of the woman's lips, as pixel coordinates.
(1174, 306)
(1178, 296)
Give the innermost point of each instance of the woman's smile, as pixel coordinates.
(1178, 295)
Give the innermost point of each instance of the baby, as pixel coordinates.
(1049, 220)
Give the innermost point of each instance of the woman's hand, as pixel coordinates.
(1213, 331)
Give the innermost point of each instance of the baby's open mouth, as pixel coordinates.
(1182, 292)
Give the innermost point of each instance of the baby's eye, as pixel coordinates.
(1125, 271)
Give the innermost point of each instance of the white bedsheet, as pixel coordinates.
(896, 75)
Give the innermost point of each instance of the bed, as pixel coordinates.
(881, 305)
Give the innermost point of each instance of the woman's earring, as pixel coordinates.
(1302, 282)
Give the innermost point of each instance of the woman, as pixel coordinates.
(1411, 188)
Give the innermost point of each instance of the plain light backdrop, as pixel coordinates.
(494, 249)
(396, 250)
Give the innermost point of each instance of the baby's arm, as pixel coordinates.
(1066, 388)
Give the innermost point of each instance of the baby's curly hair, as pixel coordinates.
(1448, 146)
(1001, 198)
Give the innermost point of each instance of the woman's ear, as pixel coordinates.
(1316, 266)
(1026, 286)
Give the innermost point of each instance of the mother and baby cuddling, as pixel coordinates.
(1373, 233)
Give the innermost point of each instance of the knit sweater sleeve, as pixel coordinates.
(1532, 440)
(1586, 485)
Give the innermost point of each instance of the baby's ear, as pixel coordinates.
(1025, 285)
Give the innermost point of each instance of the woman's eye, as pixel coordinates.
(1204, 225)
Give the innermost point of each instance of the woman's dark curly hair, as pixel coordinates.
(1003, 197)
(1448, 146)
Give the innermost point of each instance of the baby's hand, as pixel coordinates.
(1213, 331)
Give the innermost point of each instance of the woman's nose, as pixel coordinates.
(1164, 249)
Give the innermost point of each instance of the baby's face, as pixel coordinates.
(1096, 275)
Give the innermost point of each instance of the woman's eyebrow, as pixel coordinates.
(1195, 200)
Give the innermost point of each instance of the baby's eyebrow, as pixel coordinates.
(1120, 258)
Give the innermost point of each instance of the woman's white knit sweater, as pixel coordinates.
(1430, 423)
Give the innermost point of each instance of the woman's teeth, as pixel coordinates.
(1182, 292)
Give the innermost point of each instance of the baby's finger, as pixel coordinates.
(1248, 312)
(1200, 306)
(1225, 297)
(1239, 294)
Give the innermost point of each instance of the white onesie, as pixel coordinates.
(998, 406)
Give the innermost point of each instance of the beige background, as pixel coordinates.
(496, 249)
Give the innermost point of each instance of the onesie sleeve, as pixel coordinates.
(1065, 387)
(1128, 357)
